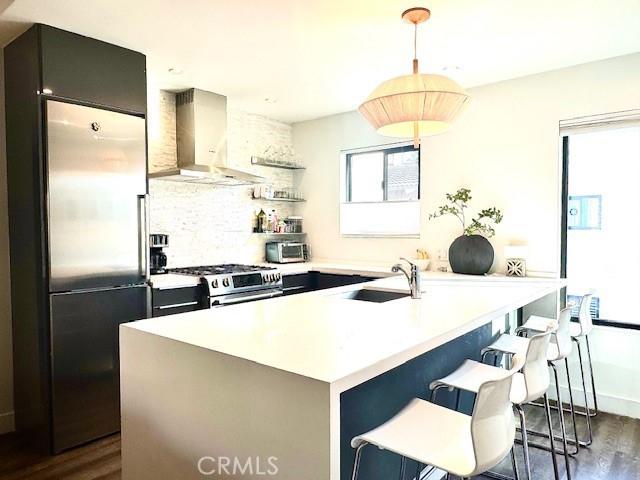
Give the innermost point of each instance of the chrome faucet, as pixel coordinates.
(413, 277)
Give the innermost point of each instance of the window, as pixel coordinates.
(584, 212)
(575, 300)
(601, 167)
(386, 175)
(380, 191)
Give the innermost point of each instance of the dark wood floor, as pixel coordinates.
(615, 455)
(97, 460)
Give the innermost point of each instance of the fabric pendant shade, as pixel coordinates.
(414, 105)
(431, 101)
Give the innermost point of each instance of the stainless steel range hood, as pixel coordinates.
(201, 134)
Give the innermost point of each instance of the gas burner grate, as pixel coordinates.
(222, 269)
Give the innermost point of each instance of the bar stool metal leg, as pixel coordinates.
(593, 382)
(551, 440)
(525, 440)
(563, 430)
(572, 411)
(356, 461)
(514, 464)
(572, 408)
(586, 401)
(403, 467)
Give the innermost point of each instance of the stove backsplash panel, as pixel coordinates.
(212, 224)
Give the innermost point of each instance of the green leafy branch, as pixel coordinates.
(458, 202)
(482, 224)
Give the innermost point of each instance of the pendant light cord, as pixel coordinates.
(415, 40)
(415, 48)
(416, 128)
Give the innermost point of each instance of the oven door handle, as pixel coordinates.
(246, 298)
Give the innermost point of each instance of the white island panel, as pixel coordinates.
(182, 403)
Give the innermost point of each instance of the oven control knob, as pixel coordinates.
(267, 278)
(214, 283)
(225, 282)
(277, 277)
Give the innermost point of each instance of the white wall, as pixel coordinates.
(506, 150)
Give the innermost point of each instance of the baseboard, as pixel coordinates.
(7, 423)
(627, 407)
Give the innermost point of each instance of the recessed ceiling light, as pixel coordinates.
(175, 71)
(47, 91)
(270, 100)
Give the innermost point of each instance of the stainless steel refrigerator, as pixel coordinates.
(96, 216)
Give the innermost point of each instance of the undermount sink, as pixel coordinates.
(376, 296)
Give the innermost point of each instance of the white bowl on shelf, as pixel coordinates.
(422, 263)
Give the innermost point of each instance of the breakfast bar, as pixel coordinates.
(283, 384)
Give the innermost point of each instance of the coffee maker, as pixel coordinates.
(157, 258)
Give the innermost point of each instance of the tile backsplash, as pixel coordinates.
(213, 224)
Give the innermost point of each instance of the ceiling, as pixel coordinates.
(300, 59)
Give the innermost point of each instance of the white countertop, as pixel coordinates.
(323, 336)
(173, 280)
(373, 269)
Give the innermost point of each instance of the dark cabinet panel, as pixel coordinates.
(297, 283)
(177, 300)
(172, 309)
(307, 282)
(85, 69)
(330, 280)
(29, 303)
(172, 296)
(85, 361)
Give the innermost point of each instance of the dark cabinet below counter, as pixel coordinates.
(167, 301)
(311, 281)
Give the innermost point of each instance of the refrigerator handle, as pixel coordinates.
(143, 257)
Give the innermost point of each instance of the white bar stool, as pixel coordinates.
(530, 384)
(559, 349)
(474, 444)
(578, 330)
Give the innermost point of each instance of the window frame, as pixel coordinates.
(385, 171)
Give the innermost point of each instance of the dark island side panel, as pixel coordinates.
(372, 403)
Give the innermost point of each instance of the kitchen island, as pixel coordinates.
(282, 384)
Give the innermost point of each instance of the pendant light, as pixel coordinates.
(414, 105)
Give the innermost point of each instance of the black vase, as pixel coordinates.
(471, 254)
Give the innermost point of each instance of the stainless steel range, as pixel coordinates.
(232, 283)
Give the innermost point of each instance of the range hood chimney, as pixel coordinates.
(201, 134)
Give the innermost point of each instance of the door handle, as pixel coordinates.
(177, 305)
(143, 235)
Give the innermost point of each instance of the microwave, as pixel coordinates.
(286, 252)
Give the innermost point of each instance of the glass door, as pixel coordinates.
(600, 252)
